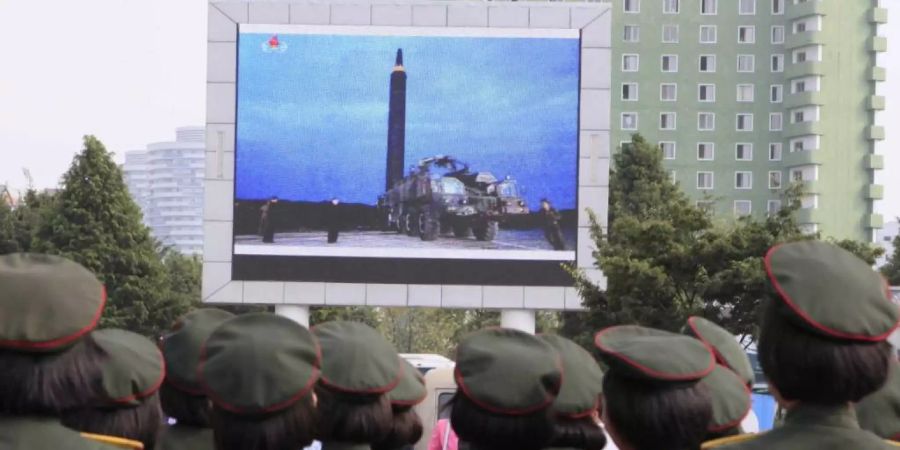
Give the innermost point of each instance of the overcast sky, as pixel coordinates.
(130, 72)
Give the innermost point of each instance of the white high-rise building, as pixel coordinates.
(166, 181)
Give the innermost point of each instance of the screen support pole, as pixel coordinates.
(297, 313)
(518, 319)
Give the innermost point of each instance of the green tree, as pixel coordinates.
(891, 270)
(182, 288)
(95, 222)
(18, 226)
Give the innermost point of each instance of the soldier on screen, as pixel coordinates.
(333, 220)
(267, 220)
(550, 218)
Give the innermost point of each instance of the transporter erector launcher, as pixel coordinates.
(396, 124)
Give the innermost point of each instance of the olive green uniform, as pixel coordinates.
(42, 434)
(184, 437)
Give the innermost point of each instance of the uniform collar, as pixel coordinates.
(842, 416)
(334, 445)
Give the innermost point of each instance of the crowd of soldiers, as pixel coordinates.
(263, 382)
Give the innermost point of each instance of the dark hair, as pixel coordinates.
(357, 418)
(581, 433)
(187, 409)
(406, 429)
(733, 431)
(650, 415)
(139, 423)
(815, 369)
(288, 429)
(487, 430)
(46, 384)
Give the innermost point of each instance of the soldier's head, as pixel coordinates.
(359, 368)
(652, 395)
(824, 328)
(181, 395)
(274, 199)
(507, 382)
(406, 426)
(335, 201)
(279, 411)
(128, 406)
(48, 307)
(545, 204)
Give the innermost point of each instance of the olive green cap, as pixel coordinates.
(410, 391)
(829, 291)
(724, 345)
(357, 359)
(507, 371)
(880, 412)
(181, 346)
(583, 382)
(259, 363)
(46, 302)
(644, 353)
(133, 370)
(730, 398)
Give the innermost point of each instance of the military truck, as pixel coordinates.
(427, 203)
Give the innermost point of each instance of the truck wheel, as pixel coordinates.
(486, 231)
(401, 224)
(461, 230)
(428, 226)
(411, 219)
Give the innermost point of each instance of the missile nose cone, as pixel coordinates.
(399, 61)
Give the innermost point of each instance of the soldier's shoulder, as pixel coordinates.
(729, 441)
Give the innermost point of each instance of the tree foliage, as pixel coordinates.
(891, 270)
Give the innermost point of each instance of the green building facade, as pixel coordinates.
(748, 96)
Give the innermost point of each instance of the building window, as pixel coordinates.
(742, 208)
(775, 151)
(707, 34)
(667, 121)
(670, 6)
(775, 122)
(632, 33)
(626, 145)
(747, 7)
(632, 6)
(704, 180)
(706, 151)
(706, 121)
(777, 7)
(670, 34)
(743, 180)
(747, 35)
(709, 6)
(629, 92)
(773, 206)
(776, 93)
(799, 57)
(706, 92)
(629, 121)
(668, 92)
(746, 63)
(743, 152)
(797, 147)
(630, 63)
(800, 86)
(778, 34)
(670, 63)
(775, 179)
(708, 63)
(745, 92)
(744, 122)
(706, 206)
(778, 63)
(668, 149)
(798, 116)
(796, 175)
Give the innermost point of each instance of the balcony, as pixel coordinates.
(878, 15)
(874, 221)
(804, 69)
(809, 215)
(792, 130)
(811, 187)
(808, 8)
(875, 133)
(875, 103)
(874, 162)
(878, 74)
(802, 158)
(802, 39)
(804, 99)
(874, 192)
(877, 44)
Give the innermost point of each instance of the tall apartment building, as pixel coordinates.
(166, 180)
(747, 96)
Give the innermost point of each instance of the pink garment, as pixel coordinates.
(437, 437)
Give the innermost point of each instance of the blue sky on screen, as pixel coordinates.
(312, 120)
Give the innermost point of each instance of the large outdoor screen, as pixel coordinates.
(406, 155)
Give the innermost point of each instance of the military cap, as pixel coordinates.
(583, 382)
(829, 291)
(410, 391)
(644, 353)
(730, 398)
(880, 411)
(133, 370)
(259, 363)
(357, 359)
(507, 371)
(724, 346)
(46, 302)
(181, 346)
